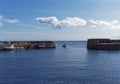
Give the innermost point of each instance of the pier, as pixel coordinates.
(103, 44)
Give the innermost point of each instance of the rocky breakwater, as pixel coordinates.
(28, 45)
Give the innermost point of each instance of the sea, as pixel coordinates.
(74, 64)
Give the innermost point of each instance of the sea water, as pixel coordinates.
(71, 65)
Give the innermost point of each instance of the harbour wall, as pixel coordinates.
(103, 44)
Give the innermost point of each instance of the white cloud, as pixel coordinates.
(73, 21)
(106, 24)
(49, 20)
(12, 21)
(5, 21)
(68, 21)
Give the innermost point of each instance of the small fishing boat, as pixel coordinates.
(64, 45)
(43, 45)
(10, 48)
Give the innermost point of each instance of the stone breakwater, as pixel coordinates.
(28, 44)
(103, 44)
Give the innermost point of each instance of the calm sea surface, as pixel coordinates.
(72, 65)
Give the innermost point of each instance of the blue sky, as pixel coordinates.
(59, 19)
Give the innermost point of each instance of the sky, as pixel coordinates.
(59, 19)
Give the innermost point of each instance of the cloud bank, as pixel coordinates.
(76, 22)
(106, 24)
(7, 21)
(67, 22)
